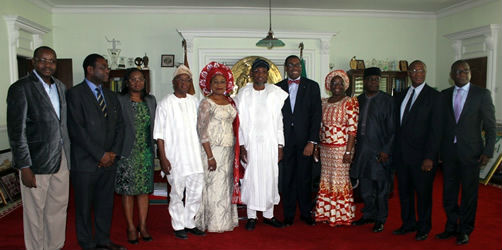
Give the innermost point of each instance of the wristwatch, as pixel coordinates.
(348, 153)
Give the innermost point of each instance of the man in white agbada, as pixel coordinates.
(179, 153)
(261, 140)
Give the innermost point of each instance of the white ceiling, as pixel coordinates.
(430, 6)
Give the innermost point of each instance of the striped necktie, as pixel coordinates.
(101, 102)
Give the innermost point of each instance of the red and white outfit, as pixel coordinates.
(335, 202)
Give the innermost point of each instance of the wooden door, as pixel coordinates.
(64, 69)
(478, 71)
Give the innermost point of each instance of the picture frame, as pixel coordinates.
(11, 186)
(5, 160)
(360, 64)
(167, 61)
(486, 172)
(403, 65)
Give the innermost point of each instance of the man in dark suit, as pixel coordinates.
(38, 136)
(96, 131)
(302, 120)
(374, 143)
(468, 110)
(418, 136)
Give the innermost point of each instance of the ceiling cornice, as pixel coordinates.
(48, 5)
(465, 5)
(241, 11)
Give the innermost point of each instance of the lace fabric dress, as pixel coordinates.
(335, 202)
(214, 124)
(135, 173)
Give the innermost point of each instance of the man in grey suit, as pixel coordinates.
(38, 136)
(468, 110)
(96, 129)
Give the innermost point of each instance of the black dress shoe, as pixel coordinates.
(195, 231)
(462, 239)
(403, 230)
(251, 224)
(378, 227)
(288, 222)
(273, 222)
(445, 235)
(110, 246)
(421, 236)
(181, 234)
(362, 221)
(308, 220)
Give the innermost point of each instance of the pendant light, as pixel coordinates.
(270, 41)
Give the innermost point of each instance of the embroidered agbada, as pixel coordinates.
(176, 124)
(261, 131)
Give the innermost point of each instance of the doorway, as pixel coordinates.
(64, 69)
(478, 70)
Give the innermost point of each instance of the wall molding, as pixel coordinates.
(48, 5)
(15, 26)
(465, 5)
(478, 42)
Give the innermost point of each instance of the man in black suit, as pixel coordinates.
(302, 120)
(418, 136)
(468, 110)
(374, 143)
(38, 136)
(96, 132)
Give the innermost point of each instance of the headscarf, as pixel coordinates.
(334, 73)
(211, 70)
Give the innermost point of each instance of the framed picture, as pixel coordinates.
(403, 65)
(5, 159)
(360, 64)
(10, 184)
(167, 61)
(487, 171)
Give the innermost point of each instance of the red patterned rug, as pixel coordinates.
(7, 209)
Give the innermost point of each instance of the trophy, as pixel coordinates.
(113, 52)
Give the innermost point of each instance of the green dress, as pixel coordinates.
(135, 173)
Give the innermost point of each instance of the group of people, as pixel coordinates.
(221, 152)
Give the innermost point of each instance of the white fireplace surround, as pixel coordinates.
(317, 57)
(479, 42)
(24, 37)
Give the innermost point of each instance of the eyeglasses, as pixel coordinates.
(466, 71)
(291, 65)
(137, 79)
(46, 61)
(414, 71)
(101, 67)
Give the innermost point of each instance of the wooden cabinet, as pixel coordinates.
(115, 82)
(391, 82)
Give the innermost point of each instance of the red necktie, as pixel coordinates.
(293, 81)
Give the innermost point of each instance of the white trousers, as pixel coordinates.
(269, 214)
(44, 209)
(183, 216)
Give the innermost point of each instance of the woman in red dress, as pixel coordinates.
(335, 202)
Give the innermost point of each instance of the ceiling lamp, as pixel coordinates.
(270, 41)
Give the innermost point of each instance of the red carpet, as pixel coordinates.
(487, 234)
